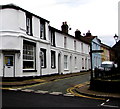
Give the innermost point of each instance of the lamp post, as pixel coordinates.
(116, 51)
(116, 38)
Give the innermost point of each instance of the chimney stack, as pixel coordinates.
(64, 27)
(77, 33)
(88, 33)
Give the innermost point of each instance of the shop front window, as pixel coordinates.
(28, 56)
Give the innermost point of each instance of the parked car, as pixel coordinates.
(107, 66)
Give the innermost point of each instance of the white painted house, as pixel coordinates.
(30, 47)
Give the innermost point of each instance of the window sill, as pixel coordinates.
(27, 70)
(75, 67)
(53, 67)
(43, 67)
(66, 69)
(53, 45)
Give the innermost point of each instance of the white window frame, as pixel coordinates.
(28, 25)
(29, 55)
(75, 62)
(42, 30)
(53, 63)
(43, 57)
(65, 42)
(83, 63)
(52, 38)
(75, 45)
(65, 62)
(82, 47)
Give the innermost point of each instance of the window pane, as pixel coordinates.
(28, 56)
(28, 24)
(28, 64)
(65, 62)
(43, 58)
(65, 42)
(9, 60)
(74, 44)
(75, 61)
(53, 59)
(28, 52)
(42, 30)
(53, 38)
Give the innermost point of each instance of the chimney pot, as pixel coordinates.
(64, 27)
(88, 33)
(77, 33)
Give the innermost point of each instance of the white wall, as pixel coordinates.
(59, 40)
(14, 25)
(70, 43)
(9, 18)
(70, 52)
(10, 42)
(22, 22)
(36, 27)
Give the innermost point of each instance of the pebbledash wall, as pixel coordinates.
(29, 46)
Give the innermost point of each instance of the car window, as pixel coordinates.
(107, 65)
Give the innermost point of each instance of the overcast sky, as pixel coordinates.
(98, 16)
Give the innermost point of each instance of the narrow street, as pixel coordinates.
(25, 99)
(61, 85)
(54, 94)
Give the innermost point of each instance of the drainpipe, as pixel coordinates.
(91, 75)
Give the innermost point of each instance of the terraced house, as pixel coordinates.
(105, 56)
(95, 45)
(29, 46)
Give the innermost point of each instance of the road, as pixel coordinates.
(61, 85)
(54, 94)
(24, 99)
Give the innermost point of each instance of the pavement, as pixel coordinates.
(83, 89)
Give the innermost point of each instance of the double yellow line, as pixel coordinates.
(22, 87)
(70, 90)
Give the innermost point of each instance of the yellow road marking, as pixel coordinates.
(70, 90)
(28, 86)
(37, 80)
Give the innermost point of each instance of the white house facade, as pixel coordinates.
(29, 46)
(95, 45)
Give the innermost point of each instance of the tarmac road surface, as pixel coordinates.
(30, 99)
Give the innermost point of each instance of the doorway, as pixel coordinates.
(8, 65)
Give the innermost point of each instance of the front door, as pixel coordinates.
(9, 66)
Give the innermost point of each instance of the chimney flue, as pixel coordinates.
(77, 33)
(64, 27)
(88, 33)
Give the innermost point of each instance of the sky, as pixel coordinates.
(98, 16)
